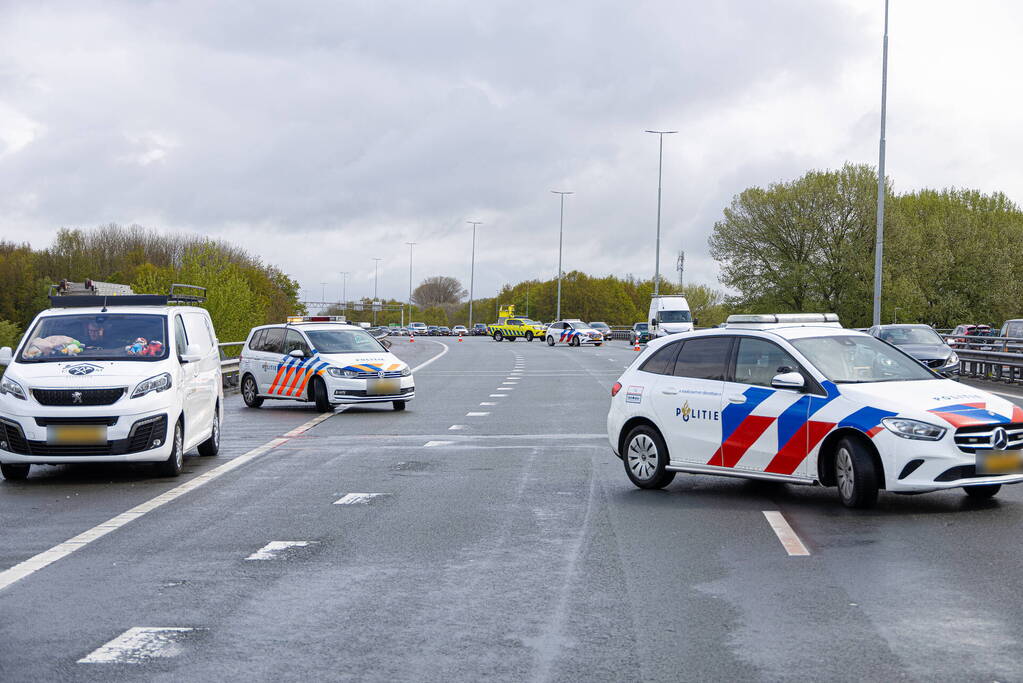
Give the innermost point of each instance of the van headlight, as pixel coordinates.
(9, 386)
(148, 386)
(952, 360)
(913, 429)
(340, 372)
(406, 371)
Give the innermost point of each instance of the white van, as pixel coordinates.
(669, 314)
(112, 379)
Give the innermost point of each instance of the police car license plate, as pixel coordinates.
(1000, 462)
(383, 387)
(76, 435)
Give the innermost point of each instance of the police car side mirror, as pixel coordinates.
(297, 353)
(788, 380)
(386, 343)
(6, 355)
(192, 354)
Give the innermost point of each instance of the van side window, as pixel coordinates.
(663, 360)
(759, 361)
(256, 343)
(294, 341)
(273, 342)
(180, 338)
(704, 358)
(198, 333)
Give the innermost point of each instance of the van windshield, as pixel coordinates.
(96, 336)
(344, 341)
(674, 317)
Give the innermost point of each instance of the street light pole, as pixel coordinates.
(561, 232)
(879, 239)
(323, 292)
(344, 290)
(472, 267)
(660, 163)
(410, 245)
(376, 279)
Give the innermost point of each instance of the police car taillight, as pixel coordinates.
(615, 389)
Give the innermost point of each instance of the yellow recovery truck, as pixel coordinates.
(509, 327)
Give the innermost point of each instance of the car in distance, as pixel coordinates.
(322, 360)
(603, 328)
(479, 330)
(921, 342)
(459, 330)
(796, 398)
(97, 379)
(418, 328)
(669, 314)
(573, 332)
(639, 334)
(444, 331)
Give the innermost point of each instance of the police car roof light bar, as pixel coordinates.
(764, 319)
(316, 319)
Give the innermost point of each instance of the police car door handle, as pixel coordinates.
(669, 392)
(737, 398)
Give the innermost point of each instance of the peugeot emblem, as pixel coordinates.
(76, 397)
(999, 439)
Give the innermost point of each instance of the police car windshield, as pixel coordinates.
(910, 335)
(859, 359)
(91, 336)
(674, 317)
(580, 326)
(344, 341)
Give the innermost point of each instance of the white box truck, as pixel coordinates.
(669, 314)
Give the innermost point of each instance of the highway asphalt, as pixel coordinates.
(505, 544)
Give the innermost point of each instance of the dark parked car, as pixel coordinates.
(444, 330)
(433, 331)
(603, 328)
(1013, 330)
(640, 334)
(479, 330)
(921, 342)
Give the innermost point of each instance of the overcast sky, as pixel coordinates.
(319, 135)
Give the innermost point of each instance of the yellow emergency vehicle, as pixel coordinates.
(511, 327)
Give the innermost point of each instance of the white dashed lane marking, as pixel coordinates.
(271, 549)
(789, 540)
(488, 403)
(476, 414)
(433, 444)
(456, 427)
(140, 644)
(498, 395)
(357, 498)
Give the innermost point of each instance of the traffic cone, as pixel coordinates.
(636, 347)
(411, 337)
(459, 336)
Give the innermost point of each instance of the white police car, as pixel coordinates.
(125, 378)
(796, 398)
(573, 332)
(324, 360)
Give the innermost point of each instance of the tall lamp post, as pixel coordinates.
(323, 294)
(660, 164)
(561, 232)
(472, 267)
(344, 290)
(879, 239)
(376, 279)
(410, 245)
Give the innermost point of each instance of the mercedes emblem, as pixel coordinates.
(999, 439)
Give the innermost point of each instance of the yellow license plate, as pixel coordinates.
(1007, 462)
(383, 387)
(76, 435)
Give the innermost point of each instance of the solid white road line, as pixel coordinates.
(270, 550)
(789, 539)
(138, 645)
(476, 414)
(61, 550)
(357, 498)
(431, 444)
(1006, 394)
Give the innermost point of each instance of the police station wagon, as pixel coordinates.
(798, 399)
(323, 360)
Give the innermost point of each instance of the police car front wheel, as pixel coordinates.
(14, 471)
(855, 474)
(983, 491)
(498, 336)
(550, 341)
(529, 336)
(646, 457)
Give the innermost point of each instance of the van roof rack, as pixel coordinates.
(91, 294)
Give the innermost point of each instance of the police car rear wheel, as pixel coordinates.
(550, 341)
(983, 491)
(250, 394)
(855, 475)
(498, 336)
(646, 457)
(529, 336)
(15, 471)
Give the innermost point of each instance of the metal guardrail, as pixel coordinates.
(997, 359)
